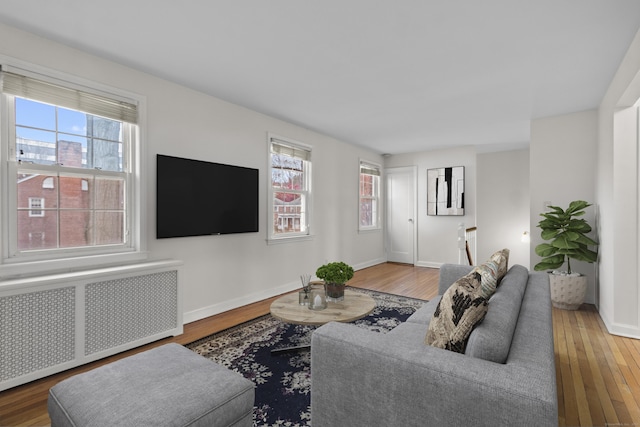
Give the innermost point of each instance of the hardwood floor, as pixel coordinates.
(598, 374)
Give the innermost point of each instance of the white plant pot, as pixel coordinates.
(567, 292)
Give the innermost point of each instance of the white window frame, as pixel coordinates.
(306, 192)
(13, 264)
(38, 211)
(363, 165)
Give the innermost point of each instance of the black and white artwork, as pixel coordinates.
(445, 191)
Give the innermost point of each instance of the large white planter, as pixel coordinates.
(567, 292)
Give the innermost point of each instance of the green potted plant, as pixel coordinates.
(335, 276)
(566, 233)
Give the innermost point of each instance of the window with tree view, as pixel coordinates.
(369, 196)
(290, 183)
(69, 167)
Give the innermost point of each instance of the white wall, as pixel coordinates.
(503, 204)
(437, 235)
(496, 201)
(223, 272)
(563, 162)
(617, 196)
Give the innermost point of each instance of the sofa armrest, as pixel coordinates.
(365, 378)
(449, 273)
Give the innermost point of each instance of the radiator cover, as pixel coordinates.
(52, 323)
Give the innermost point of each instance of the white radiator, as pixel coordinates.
(52, 323)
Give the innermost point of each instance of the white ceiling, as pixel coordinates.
(396, 76)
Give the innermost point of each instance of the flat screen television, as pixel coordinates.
(196, 198)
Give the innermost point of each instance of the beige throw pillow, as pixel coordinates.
(461, 308)
(465, 304)
(492, 272)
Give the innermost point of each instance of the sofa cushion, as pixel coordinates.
(492, 272)
(407, 334)
(425, 313)
(491, 340)
(462, 307)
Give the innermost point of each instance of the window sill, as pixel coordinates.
(369, 230)
(290, 239)
(29, 268)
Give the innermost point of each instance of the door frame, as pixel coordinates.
(413, 171)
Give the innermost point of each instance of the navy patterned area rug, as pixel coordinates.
(283, 380)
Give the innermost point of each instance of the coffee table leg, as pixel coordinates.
(290, 349)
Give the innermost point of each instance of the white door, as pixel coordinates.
(401, 214)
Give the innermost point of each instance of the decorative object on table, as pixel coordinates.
(318, 299)
(335, 276)
(283, 380)
(568, 240)
(305, 294)
(445, 191)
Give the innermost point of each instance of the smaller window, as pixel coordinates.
(289, 189)
(369, 201)
(47, 183)
(36, 206)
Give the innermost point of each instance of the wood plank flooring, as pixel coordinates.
(598, 374)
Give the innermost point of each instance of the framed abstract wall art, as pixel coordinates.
(445, 191)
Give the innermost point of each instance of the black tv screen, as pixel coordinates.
(196, 198)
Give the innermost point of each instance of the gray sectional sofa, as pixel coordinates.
(505, 378)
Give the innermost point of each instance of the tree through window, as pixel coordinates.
(290, 167)
(369, 201)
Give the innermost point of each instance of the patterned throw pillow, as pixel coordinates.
(492, 272)
(461, 308)
(502, 259)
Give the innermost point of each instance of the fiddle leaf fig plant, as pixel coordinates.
(567, 235)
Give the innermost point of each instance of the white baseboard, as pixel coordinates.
(367, 264)
(429, 264)
(212, 310)
(623, 330)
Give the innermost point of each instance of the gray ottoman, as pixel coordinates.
(167, 386)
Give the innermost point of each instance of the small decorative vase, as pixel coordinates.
(318, 300)
(303, 297)
(335, 291)
(305, 294)
(567, 292)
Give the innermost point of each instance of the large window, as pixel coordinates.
(289, 189)
(68, 164)
(369, 202)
